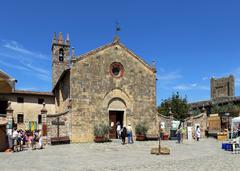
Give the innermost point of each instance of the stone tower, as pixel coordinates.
(222, 87)
(60, 56)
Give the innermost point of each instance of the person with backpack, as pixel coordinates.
(123, 134)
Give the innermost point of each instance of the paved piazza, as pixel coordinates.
(203, 155)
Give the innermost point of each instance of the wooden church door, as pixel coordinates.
(112, 123)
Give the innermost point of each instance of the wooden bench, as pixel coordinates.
(60, 140)
(152, 137)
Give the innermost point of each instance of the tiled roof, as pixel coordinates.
(33, 93)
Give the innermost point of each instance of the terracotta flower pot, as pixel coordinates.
(99, 139)
(140, 137)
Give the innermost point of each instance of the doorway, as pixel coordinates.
(114, 117)
(3, 106)
(3, 138)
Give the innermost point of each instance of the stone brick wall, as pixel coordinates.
(30, 108)
(200, 119)
(3, 119)
(62, 94)
(222, 87)
(64, 127)
(93, 87)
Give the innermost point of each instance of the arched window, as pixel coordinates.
(61, 55)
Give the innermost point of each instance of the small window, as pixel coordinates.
(39, 119)
(61, 55)
(20, 118)
(20, 100)
(40, 101)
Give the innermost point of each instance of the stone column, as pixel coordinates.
(10, 124)
(44, 124)
(204, 126)
(170, 115)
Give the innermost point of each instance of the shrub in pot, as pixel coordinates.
(141, 131)
(100, 132)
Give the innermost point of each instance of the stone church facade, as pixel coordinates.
(105, 85)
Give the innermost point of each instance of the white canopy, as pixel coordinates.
(235, 121)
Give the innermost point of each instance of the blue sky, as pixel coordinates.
(191, 41)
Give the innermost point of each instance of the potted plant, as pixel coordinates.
(141, 131)
(100, 132)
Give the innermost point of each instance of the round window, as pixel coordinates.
(116, 69)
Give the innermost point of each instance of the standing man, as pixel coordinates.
(129, 133)
(179, 134)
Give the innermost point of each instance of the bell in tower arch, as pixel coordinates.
(61, 55)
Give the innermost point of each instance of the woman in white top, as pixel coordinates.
(40, 141)
(118, 130)
(198, 133)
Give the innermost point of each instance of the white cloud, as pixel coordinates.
(193, 86)
(28, 88)
(13, 66)
(44, 77)
(169, 76)
(41, 73)
(35, 68)
(16, 47)
(206, 78)
(236, 74)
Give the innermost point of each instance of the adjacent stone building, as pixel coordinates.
(222, 87)
(26, 104)
(222, 93)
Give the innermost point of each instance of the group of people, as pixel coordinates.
(25, 138)
(123, 132)
(181, 131)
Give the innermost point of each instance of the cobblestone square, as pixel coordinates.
(191, 155)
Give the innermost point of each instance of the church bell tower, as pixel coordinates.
(60, 56)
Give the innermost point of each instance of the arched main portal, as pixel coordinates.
(117, 105)
(117, 115)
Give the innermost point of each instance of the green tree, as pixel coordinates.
(231, 108)
(178, 105)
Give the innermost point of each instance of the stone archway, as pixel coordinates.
(117, 115)
(118, 107)
(114, 94)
